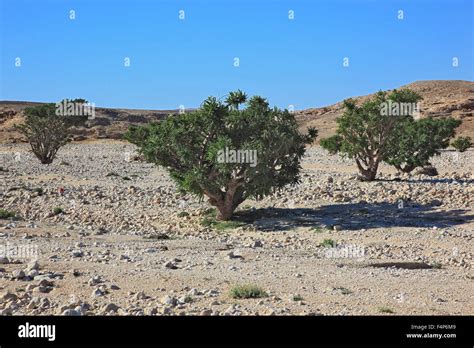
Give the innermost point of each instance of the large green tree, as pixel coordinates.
(364, 131)
(194, 147)
(414, 142)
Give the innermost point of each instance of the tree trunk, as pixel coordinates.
(369, 173)
(225, 211)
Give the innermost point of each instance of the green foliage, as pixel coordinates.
(38, 190)
(189, 146)
(247, 291)
(328, 243)
(332, 144)
(385, 310)
(46, 130)
(234, 99)
(462, 143)
(413, 143)
(5, 214)
(344, 291)
(364, 131)
(436, 265)
(297, 298)
(188, 299)
(58, 210)
(211, 221)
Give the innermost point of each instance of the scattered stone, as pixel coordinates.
(168, 300)
(171, 264)
(97, 293)
(233, 255)
(111, 307)
(77, 253)
(140, 296)
(8, 296)
(18, 274)
(71, 313)
(34, 265)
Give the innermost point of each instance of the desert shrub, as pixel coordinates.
(192, 145)
(38, 190)
(58, 210)
(462, 143)
(385, 310)
(247, 291)
(46, 130)
(5, 214)
(414, 142)
(297, 298)
(364, 131)
(328, 243)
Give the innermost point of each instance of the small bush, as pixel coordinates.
(38, 190)
(5, 214)
(188, 299)
(183, 214)
(328, 243)
(247, 291)
(343, 290)
(385, 310)
(297, 298)
(462, 143)
(436, 265)
(58, 210)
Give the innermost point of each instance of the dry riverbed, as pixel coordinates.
(110, 235)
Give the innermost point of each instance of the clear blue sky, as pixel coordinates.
(180, 62)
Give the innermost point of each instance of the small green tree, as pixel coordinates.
(194, 148)
(47, 130)
(364, 131)
(413, 143)
(462, 143)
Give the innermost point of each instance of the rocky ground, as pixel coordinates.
(98, 232)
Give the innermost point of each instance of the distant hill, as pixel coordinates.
(108, 122)
(440, 99)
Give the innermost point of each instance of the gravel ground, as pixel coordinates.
(125, 242)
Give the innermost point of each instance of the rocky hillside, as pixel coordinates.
(108, 122)
(440, 99)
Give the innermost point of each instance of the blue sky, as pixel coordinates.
(180, 62)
